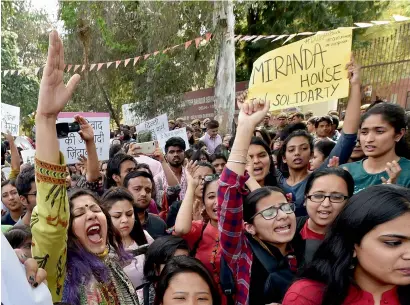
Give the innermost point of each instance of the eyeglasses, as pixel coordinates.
(335, 198)
(34, 194)
(272, 211)
(210, 178)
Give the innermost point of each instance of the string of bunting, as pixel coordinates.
(187, 44)
(98, 66)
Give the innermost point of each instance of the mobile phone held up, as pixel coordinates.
(146, 148)
(63, 129)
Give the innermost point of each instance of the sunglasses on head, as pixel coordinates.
(210, 178)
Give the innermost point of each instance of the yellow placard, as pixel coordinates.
(306, 72)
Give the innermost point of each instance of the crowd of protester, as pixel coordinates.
(292, 209)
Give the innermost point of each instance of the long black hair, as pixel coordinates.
(282, 166)
(184, 264)
(270, 179)
(337, 171)
(116, 194)
(367, 209)
(396, 117)
(159, 252)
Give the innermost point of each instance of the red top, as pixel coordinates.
(307, 233)
(308, 292)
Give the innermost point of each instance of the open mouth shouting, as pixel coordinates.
(94, 234)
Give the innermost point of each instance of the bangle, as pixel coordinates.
(239, 155)
(236, 161)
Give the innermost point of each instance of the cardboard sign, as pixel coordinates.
(306, 72)
(163, 137)
(10, 119)
(28, 156)
(130, 118)
(73, 146)
(156, 125)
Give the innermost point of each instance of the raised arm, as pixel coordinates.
(87, 134)
(347, 140)
(49, 221)
(172, 180)
(15, 156)
(184, 219)
(232, 181)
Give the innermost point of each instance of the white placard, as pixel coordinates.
(10, 119)
(28, 156)
(156, 125)
(163, 137)
(73, 146)
(15, 289)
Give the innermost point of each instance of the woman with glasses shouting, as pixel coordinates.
(202, 235)
(326, 194)
(255, 235)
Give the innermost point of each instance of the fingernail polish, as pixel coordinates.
(35, 284)
(31, 278)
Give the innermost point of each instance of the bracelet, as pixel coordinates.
(240, 155)
(236, 161)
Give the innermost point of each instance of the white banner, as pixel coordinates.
(10, 119)
(163, 137)
(28, 156)
(73, 146)
(156, 125)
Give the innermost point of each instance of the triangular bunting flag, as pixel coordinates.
(197, 41)
(187, 44)
(64, 67)
(380, 22)
(5, 72)
(92, 67)
(12, 72)
(99, 66)
(270, 36)
(76, 67)
(208, 36)
(136, 59)
(83, 68)
(117, 63)
(146, 56)
(175, 46)
(126, 61)
(69, 68)
(400, 18)
(109, 64)
(250, 38)
(165, 51)
(289, 38)
(244, 38)
(155, 53)
(36, 71)
(279, 37)
(305, 33)
(363, 24)
(19, 72)
(237, 37)
(258, 38)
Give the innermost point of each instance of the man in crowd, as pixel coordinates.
(298, 117)
(196, 125)
(118, 167)
(211, 138)
(140, 185)
(308, 115)
(171, 124)
(282, 120)
(26, 187)
(323, 128)
(175, 156)
(11, 199)
(334, 133)
(179, 122)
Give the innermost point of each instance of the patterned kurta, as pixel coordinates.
(49, 227)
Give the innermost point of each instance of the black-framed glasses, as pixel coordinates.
(210, 178)
(335, 198)
(272, 212)
(33, 194)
